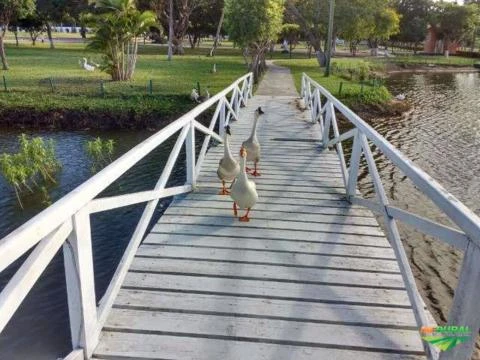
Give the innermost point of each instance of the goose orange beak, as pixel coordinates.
(243, 152)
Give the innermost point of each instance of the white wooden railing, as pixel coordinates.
(465, 310)
(67, 222)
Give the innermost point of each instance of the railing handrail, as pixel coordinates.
(464, 311)
(463, 216)
(35, 229)
(66, 223)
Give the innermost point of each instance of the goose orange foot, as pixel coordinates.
(235, 211)
(224, 190)
(245, 218)
(255, 172)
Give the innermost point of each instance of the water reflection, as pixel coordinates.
(442, 136)
(40, 329)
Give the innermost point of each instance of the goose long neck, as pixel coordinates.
(226, 149)
(243, 169)
(254, 129)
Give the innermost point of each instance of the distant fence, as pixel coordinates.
(95, 87)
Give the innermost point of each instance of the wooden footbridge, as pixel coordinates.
(311, 276)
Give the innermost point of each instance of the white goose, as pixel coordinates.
(228, 168)
(195, 96)
(86, 66)
(252, 145)
(244, 191)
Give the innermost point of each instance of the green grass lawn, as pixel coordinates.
(352, 92)
(44, 79)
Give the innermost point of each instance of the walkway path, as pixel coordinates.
(310, 277)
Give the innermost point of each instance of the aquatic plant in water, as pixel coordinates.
(34, 164)
(100, 152)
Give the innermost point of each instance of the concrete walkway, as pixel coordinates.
(278, 81)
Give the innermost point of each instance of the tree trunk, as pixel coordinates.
(192, 40)
(321, 58)
(474, 40)
(15, 33)
(217, 36)
(245, 56)
(3, 56)
(170, 31)
(49, 34)
(178, 47)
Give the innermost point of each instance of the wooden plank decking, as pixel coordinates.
(310, 277)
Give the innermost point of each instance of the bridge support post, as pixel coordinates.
(221, 126)
(465, 309)
(354, 166)
(190, 149)
(78, 260)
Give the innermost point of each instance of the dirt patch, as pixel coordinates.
(68, 119)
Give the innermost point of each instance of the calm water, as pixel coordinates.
(442, 136)
(40, 329)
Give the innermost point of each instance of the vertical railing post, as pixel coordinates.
(191, 158)
(250, 85)
(465, 310)
(313, 108)
(246, 87)
(233, 100)
(310, 95)
(354, 166)
(237, 101)
(78, 262)
(221, 125)
(393, 235)
(319, 105)
(328, 120)
(302, 89)
(339, 147)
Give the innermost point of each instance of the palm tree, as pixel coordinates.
(117, 28)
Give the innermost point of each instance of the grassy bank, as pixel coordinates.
(413, 61)
(51, 82)
(354, 81)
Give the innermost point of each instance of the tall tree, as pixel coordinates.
(253, 25)
(312, 16)
(33, 25)
(170, 30)
(219, 30)
(291, 33)
(204, 20)
(386, 22)
(117, 29)
(453, 23)
(174, 14)
(50, 11)
(414, 20)
(11, 10)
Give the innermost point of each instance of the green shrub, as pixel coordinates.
(35, 163)
(100, 152)
(369, 96)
